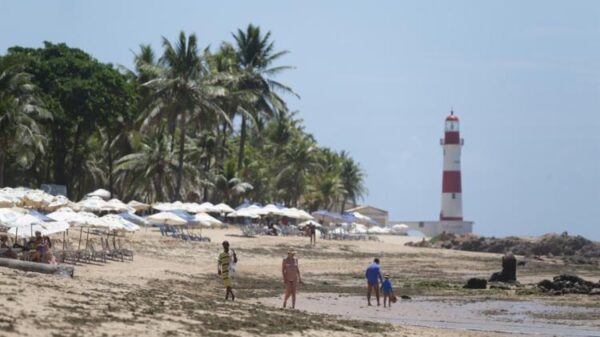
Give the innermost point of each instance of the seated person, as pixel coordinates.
(36, 247)
(5, 244)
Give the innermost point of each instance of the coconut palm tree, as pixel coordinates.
(181, 92)
(299, 160)
(227, 185)
(147, 173)
(256, 55)
(20, 110)
(352, 177)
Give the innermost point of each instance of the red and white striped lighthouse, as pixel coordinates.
(451, 183)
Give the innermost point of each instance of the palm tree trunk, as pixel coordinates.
(242, 143)
(110, 162)
(2, 157)
(181, 147)
(343, 205)
(223, 147)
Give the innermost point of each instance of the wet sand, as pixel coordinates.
(527, 317)
(171, 289)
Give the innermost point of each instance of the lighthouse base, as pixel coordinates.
(433, 228)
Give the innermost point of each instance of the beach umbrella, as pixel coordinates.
(116, 205)
(208, 207)
(223, 208)
(92, 204)
(193, 207)
(252, 209)
(6, 201)
(363, 219)
(138, 206)
(399, 229)
(9, 216)
(165, 218)
(309, 222)
(206, 220)
(138, 220)
(100, 193)
(269, 209)
(162, 206)
(59, 201)
(28, 226)
(377, 230)
(303, 215)
(243, 213)
(117, 223)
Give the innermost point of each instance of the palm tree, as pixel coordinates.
(352, 178)
(228, 185)
(182, 90)
(255, 55)
(299, 159)
(20, 108)
(147, 172)
(325, 190)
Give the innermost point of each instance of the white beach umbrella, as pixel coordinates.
(252, 209)
(206, 219)
(377, 230)
(207, 207)
(138, 206)
(223, 208)
(116, 205)
(6, 201)
(193, 207)
(269, 209)
(48, 228)
(303, 215)
(117, 223)
(165, 218)
(399, 229)
(92, 204)
(58, 202)
(162, 206)
(243, 213)
(9, 216)
(100, 193)
(309, 222)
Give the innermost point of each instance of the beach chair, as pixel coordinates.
(96, 254)
(113, 253)
(126, 252)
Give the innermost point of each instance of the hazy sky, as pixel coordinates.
(377, 78)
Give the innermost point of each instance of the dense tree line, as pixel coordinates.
(165, 130)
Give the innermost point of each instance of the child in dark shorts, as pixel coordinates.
(388, 291)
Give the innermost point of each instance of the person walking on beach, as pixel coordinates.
(227, 259)
(388, 291)
(373, 275)
(291, 277)
(312, 231)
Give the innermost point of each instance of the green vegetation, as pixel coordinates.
(190, 124)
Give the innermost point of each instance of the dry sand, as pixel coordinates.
(171, 289)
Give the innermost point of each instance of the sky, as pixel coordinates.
(378, 78)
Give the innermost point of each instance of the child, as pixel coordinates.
(388, 292)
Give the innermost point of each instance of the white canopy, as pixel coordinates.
(117, 223)
(165, 218)
(116, 205)
(45, 228)
(309, 222)
(243, 213)
(399, 229)
(93, 204)
(138, 206)
(9, 216)
(100, 193)
(208, 207)
(206, 219)
(223, 208)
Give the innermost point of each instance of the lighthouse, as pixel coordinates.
(451, 182)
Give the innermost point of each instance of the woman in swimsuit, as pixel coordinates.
(291, 277)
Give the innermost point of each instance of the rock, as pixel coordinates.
(476, 283)
(595, 291)
(546, 284)
(405, 297)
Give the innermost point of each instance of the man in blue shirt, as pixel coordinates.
(373, 275)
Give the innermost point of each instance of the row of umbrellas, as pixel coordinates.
(24, 223)
(255, 211)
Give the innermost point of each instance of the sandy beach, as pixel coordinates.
(171, 289)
